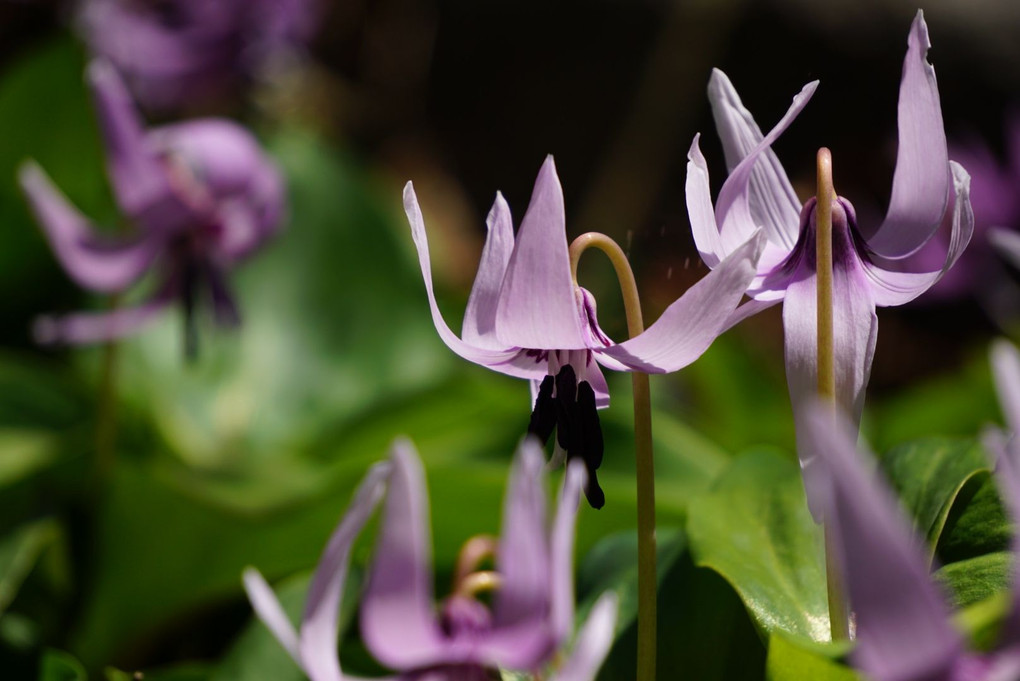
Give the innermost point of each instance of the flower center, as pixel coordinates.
(568, 407)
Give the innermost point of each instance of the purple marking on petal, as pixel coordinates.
(903, 630)
(774, 205)
(480, 316)
(537, 305)
(920, 188)
(687, 328)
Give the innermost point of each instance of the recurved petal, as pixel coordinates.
(398, 620)
(103, 265)
(268, 609)
(320, 622)
(480, 316)
(733, 211)
(470, 352)
(700, 208)
(896, 288)
(537, 305)
(855, 329)
(138, 175)
(773, 203)
(903, 631)
(593, 642)
(98, 327)
(692, 322)
(920, 186)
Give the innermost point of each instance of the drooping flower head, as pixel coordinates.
(903, 626)
(174, 52)
(532, 610)
(527, 317)
(927, 191)
(200, 195)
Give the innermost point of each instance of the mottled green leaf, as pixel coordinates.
(754, 529)
(976, 579)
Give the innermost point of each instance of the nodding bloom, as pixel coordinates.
(175, 52)
(527, 317)
(927, 191)
(532, 605)
(903, 626)
(199, 195)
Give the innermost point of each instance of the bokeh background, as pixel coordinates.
(247, 455)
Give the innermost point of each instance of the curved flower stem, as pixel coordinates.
(838, 615)
(644, 461)
(106, 416)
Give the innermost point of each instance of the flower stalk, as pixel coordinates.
(644, 460)
(838, 616)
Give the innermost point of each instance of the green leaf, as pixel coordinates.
(929, 475)
(792, 660)
(754, 529)
(977, 523)
(57, 665)
(975, 579)
(19, 554)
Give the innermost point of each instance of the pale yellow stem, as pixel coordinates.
(644, 460)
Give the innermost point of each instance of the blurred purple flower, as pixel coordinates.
(174, 52)
(532, 610)
(201, 195)
(996, 201)
(758, 193)
(526, 317)
(902, 618)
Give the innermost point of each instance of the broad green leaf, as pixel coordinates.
(754, 529)
(790, 660)
(977, 523)
(983, 620)
(57, 665)
(928, 476)
(975, 579)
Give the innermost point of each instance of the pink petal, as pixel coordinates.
(593, 642)
(921, 181)
(480, 316)
(94, 262)
(733, 208)
(561, 612)
(268, 609)
(773, 204)
(687, 328)
(99, 327)
(398, 619)
(855, 328)
(137, 173)
(896, 288)
(700, 208)
(320, 622)
(470, 352)
(538, 305)
(903, 630)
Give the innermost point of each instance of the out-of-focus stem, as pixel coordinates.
(838, 615)
(644, 460)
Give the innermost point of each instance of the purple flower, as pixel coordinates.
(526, 317)
(902, 618)
(201, 195)
(532, 609)
(173, 52)
(927, 190)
